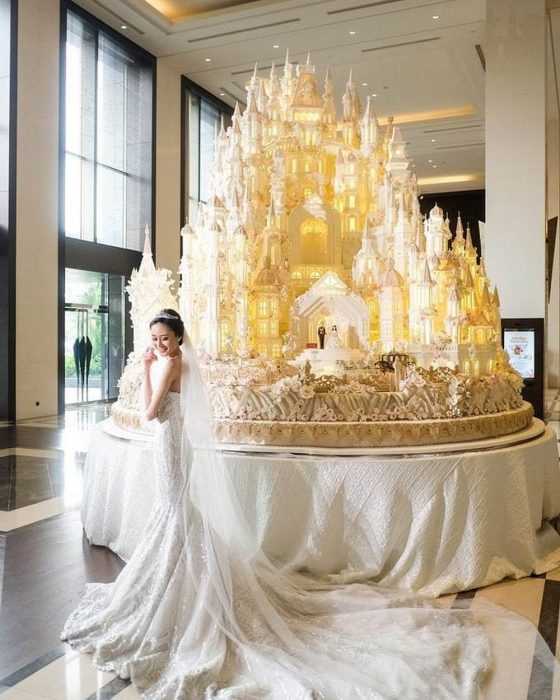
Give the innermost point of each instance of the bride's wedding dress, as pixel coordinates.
(199, 613)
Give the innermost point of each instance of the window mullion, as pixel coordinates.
(95, 120)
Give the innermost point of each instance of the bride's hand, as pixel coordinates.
(148, 358)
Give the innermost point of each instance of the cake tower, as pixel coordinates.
(313, 237)
(314, 220)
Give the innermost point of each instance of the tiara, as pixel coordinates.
(167, 315)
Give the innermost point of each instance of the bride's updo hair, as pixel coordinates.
(171, 319)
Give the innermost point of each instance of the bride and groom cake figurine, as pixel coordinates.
(332, 342)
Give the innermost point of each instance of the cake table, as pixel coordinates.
(431, 519)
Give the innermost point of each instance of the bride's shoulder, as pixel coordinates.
(172, 366)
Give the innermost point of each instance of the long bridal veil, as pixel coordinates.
(257, 631)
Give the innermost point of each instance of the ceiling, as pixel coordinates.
(424, 61)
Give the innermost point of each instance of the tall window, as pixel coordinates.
(203, 118)
(5, 83)
(8, 62)
(108, 137)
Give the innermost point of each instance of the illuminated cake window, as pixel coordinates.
(263, 307)
(225, 334)
(313, 234)
(262, 329)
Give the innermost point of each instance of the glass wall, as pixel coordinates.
(94, 335)
(5, 21)
(7, 209)
(106, 132)
(108, 137)
(203, 117)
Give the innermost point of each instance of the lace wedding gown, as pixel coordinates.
(193, 615)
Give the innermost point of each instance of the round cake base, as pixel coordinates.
(372, 434)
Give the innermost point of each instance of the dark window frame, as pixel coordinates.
(87, 255)
(8, 255)
(189, 87)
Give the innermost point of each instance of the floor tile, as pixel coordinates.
(554, 575)
(42, 587)
(18, 694)
(13, 519)
(522, 597)
(72, 677)
(129, 693)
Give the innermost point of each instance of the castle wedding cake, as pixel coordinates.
(326, 309)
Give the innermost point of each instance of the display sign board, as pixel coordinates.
(523, 340)
(519, 343)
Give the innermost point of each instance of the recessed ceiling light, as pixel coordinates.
(430, 160)
(432, 140)
(364, 84)
(222, 94)
(351, 32)
(124, 26)
(435, 16)
(434, 166)
(374, 94)
(276, 46)
(207, 60)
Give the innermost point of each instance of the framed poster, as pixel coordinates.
(519, 343)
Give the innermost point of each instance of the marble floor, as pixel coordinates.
(45, 562)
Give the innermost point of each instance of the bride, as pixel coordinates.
(200, 611)
(333, 341)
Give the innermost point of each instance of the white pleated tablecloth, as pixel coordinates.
(432, 524)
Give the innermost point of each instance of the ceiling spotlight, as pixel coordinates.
(432, 140)
(435, 16)
(222, 94)
(434, 166)
(276, 46)
(207, 60)
(374, 94)
(430, 160)
(351, 32)
(364, 84)
(124, 26)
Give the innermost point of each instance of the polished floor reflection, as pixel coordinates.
(45, 562)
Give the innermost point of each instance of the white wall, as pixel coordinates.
(168, 166)
(515, 154)
(37, 209)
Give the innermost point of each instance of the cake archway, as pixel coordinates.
(330, 303)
